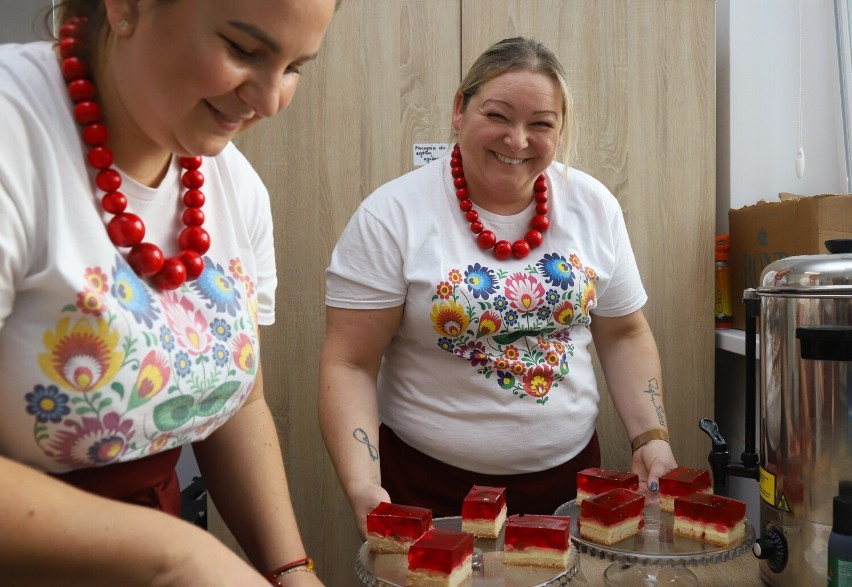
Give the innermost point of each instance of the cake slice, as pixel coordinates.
(484, 511)
(711, 518)
(393, 528)
(594, 481)
(682, 481)
(537, 541)
(440, 558)
(612, 516)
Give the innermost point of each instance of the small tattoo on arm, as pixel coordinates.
(653, 387)
(361, 436)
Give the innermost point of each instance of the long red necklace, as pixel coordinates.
(124, 228)
(486, 239)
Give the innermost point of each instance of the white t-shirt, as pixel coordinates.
(97, 366)
(490, 370)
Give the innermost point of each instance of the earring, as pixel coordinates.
(122, 25)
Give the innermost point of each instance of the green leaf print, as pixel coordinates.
(510, 337)
(214, 402)
(174, 413)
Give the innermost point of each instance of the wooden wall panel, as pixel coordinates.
(642, 73)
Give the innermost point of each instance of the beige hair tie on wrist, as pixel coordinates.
(646, 437)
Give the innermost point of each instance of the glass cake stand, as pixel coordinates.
(389, 570)
(655, 556)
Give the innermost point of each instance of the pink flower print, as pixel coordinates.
(538, 381)
(96, 280)
(81, 358)
(489, 323)
(456, 277)
(90, 302)
(91, 442)
(243, 352)
(524, 293)
(444, 290)
(235, 266)
(190, 327)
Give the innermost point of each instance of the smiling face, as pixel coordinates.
(508, 134)
(186, 76)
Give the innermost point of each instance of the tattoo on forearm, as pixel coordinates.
(653, 387)
(361, 436)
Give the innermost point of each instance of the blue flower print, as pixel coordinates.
(47, 403)
(132, 294)
(553, 297)
(217, 288)
(446, 343)
(556, 270)
(500, 303)
(182, 364)
(167, 338)
(220, 355)
(481, 281)
(220, 329)
(543, 313)
(511, 317)
(505, 379)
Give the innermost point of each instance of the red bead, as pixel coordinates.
(114, 202)
(69, 47)
(541, 208)
(95, 134)
(193, 263)
(462, 193)
(520, 249)
(534, 238)
(541, 197)
(476, 227)
(145, 259)
(457, 172)
(80, 90)
(194, 238)
(465, 205)
(486, 239)
(86, 112)
(193, 179)
(190, 162)
(455, 161)
(472, 216)
(459, 182)
(126, 230)
(100, 157)
(172, 275)
(108, 180)
(540, 184)
(193, 217)
(540, 222)
(193, 199)
(503, 250)
(72, 68)
(70, 29)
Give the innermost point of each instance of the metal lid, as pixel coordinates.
(823, 274)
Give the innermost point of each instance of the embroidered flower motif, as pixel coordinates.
(505, 380)
(444, 290)
(182, 364)
(235, 266)
(538, 381)
(96, 280)
(220, 329)
(90, 302)
(511, 352)
(575, 261)
(511, 317)
(449, 319)
(446, 344)
(455, 277)
(524, 293)
(552, 358)
(501, 363)
(220, 355)
(243, 353)
(564, 313)
(153, 376)
(556, 271)
(480, 280)
(91, 442)
(591, 274)
(80, 358)
(166, 338)
(159, 444)
(188, 323)
(132, 293)
(553, 297)
(47, 404)
(590, 298)
(489, 323)
(543, 313)
(217, 288)
(500, 303)
(474, 352)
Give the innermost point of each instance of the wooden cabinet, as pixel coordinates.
(643, 77)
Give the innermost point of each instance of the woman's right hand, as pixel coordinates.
(364, 499)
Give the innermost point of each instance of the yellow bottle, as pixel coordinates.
(724, 312)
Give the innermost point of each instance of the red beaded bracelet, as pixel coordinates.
(307, 562)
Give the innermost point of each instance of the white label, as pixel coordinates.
(427, 152)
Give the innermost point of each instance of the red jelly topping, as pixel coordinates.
(594, 480)
(440, 551)
(529, 531)
(710, 509)
(399, 521)
(483, 503)
(683, 481)
(612, 507)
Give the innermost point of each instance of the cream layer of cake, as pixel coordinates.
(710, 518)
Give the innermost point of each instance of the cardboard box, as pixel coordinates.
(768, 231)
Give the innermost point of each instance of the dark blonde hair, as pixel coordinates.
(520, 53)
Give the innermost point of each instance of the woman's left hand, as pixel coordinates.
(299, 579)
(651, 461)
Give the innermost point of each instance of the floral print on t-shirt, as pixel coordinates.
(130, 371)
(515, 327)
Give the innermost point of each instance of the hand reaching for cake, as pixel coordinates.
(364, 500)
(651, 461)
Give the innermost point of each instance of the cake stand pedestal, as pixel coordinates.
(655, 556)
(389, 570)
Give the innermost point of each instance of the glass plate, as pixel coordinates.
(656, 545)
(389, 570)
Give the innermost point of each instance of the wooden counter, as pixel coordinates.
(740, 572)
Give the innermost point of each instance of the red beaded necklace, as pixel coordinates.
(485, 238)
(124, 228)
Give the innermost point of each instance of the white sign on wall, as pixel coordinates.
(427, 152)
